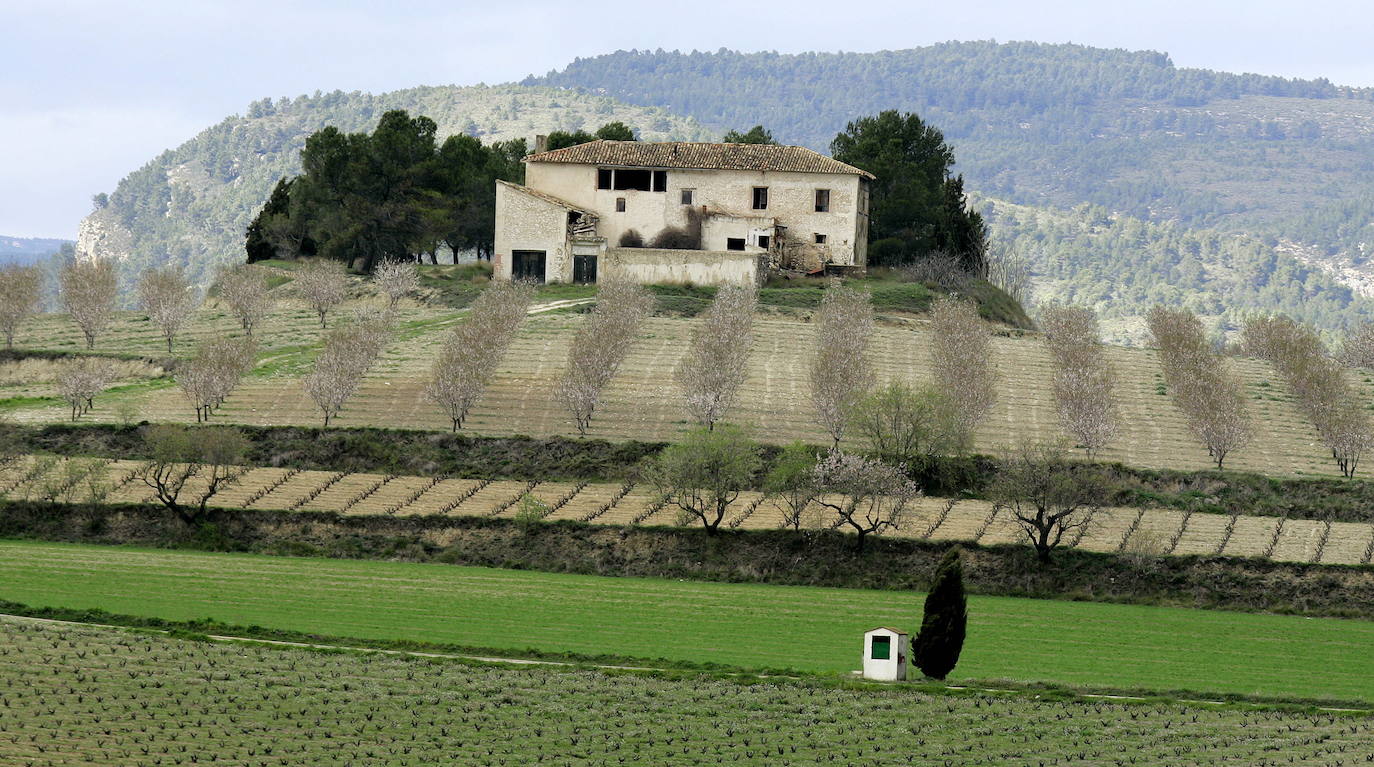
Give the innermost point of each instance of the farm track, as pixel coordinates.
(1112, 530)
(641, 402)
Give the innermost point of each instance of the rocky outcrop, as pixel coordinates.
(101, 236)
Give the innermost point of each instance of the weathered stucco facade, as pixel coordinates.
(646, 212)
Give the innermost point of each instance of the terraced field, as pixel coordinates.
(97, 696)
(641, 402)
(1147, 531)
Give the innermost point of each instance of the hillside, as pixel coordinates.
(1121, 266)
(1062, 125)
(27, 250)
(1042, 124)
(191, 204)
(774, 402)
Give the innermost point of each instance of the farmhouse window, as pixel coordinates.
(620, 205)
(763, 241)
(882, 648)
(734, 243)
(760, 198)
(687, 196)
(660, 181)
(603, 178)
(626, 178)
(822, 200)
(820, 238)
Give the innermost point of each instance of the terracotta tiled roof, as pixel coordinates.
(682, 154)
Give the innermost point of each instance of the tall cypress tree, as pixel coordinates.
(936, 648)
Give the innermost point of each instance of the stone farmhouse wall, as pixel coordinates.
(729, 193)
(700, 267)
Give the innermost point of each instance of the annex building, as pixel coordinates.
(679, 212)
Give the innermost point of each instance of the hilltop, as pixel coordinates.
(190, 205)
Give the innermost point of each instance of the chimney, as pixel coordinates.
(541, 144)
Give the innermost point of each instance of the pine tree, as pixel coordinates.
(936, 648)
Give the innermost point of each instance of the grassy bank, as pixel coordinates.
(778, 557)
(811, 629)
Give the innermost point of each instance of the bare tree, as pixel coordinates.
(1207, 393)
(180, 454)
(168, 299)
(599, 347)
(396, 280)
(323, 284)
(1083, 379)
(961, 364)
(1046, 494)
(1318, 383)
(869, 496)
(706, 472)
(717, 361)
(244, 289)
(1358, 349)
(87, 290)
(349, 352)
(80, 380)
(1009, 270)
(211, 376)
(468, 358)
(20, 292)
(840, 369)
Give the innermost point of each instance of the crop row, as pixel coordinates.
(1135, 531)
(774, 399)
(103, 696)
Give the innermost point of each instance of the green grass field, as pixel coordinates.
(90, 696)
(809, 629)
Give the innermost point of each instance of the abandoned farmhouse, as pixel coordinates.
(680, 212)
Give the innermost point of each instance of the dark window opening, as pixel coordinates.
(822, 200)
(620, 205)
(734, 243)
(763, 241)
(687, 196)
(660, 180)
(820, 239)
(882, 648)
(641, 180)
(760, 198)
(527, 265)
(603, 178)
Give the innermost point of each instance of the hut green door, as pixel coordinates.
(584, 270)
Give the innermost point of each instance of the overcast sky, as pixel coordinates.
(92, 90)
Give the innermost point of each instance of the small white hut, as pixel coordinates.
(885, 654)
